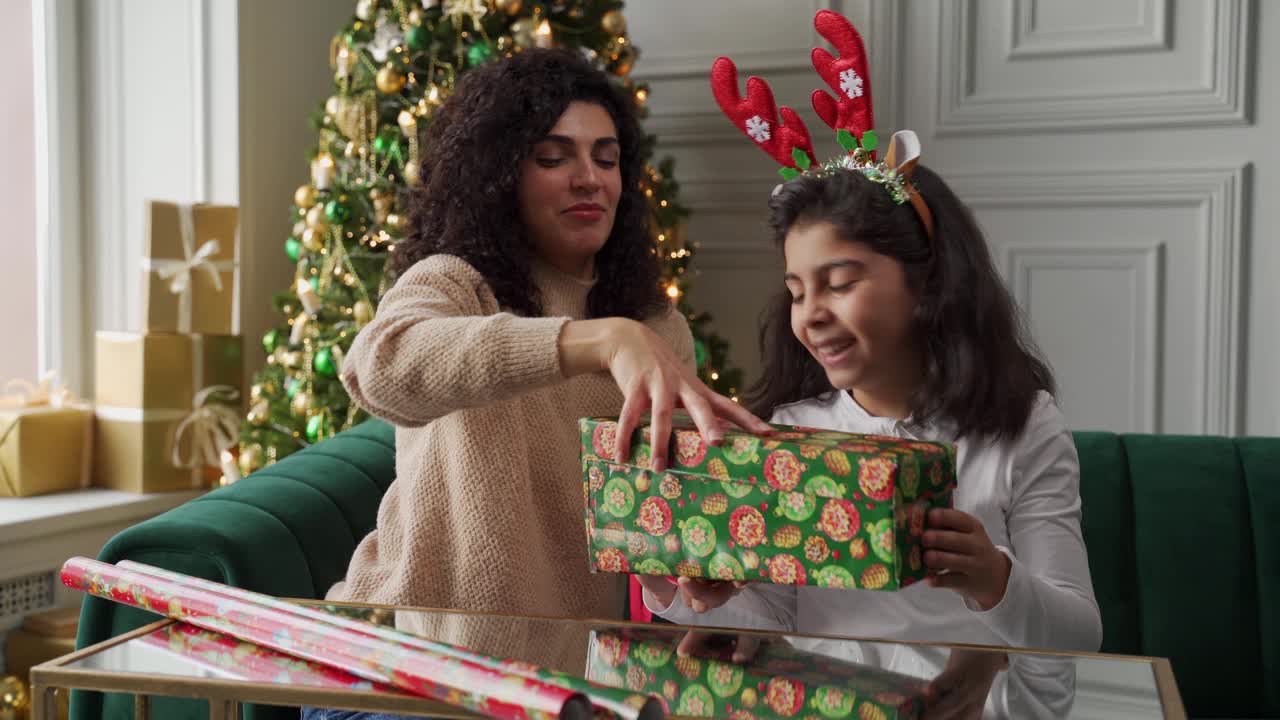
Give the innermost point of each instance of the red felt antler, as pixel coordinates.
(846, 75)
(756, 115)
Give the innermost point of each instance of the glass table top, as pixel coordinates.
(777, 676)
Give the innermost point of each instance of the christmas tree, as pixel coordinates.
(394, 63)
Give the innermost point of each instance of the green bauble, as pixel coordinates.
(292, 388)
(699, 352)
(271, 340)
(317, 428)
(479, 53)
(418, 38)
(337, 212)
(292, 248)
(385, 142)
(324, 363)
(314, 282)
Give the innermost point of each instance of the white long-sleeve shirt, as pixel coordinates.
(1026, 493)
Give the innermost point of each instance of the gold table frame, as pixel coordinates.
(226, 696)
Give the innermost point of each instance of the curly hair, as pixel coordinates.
(467, 201)
(982, 368)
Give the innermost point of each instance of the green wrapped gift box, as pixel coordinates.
(799, 507)
(779, 682)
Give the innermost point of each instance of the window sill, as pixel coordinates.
(40, 533)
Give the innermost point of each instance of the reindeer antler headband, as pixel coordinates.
(849, 114)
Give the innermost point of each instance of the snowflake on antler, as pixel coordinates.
(758, 129)
(851, 83)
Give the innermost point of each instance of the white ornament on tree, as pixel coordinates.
(473, 9)
(386, 38)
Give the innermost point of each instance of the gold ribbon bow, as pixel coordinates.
(213, 427)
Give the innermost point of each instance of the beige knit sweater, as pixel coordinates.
(486, 512)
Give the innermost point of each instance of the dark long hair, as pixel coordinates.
(467, 201)
(982, 370)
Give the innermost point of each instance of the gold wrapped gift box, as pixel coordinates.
(191, 269)
(44, 449)
(144, 390)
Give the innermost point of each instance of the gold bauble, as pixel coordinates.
(411, 174)
(408, 123)
(14, 699)
(332, 105)
(376, 194)
(396, 222)
(362, 311)
(316, 219)
(300, 404)
(416, 17)
(510, 7)
(522, 32)
(250, 458)
(613, 22)
(291, 359)
(312, 239)
(256, 393)
(365, 8)
(390, 80)
(258, 414)
(304, 196)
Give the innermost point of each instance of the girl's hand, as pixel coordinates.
(697, 594)
(960, 556)
(961, 689)
(652, 379)
(702, 595)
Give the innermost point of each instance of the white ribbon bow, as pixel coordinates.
(213, 427)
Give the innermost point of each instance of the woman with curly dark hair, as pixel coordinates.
(527, 297)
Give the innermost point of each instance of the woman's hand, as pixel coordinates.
(652, 379)
(960, 690)
(960, 556)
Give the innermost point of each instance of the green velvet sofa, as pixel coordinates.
(1183, 535)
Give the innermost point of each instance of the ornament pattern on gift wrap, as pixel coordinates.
(839, 509)
(778, 683)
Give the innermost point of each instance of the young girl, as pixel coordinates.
(895, 322)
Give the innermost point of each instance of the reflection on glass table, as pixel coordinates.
(782, 676)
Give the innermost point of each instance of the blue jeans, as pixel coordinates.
(310, 713)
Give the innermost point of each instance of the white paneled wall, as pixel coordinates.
(1118, 154)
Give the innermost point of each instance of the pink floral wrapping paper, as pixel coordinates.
(618, 702)
(458, 682)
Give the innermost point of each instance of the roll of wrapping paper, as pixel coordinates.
(620, 702)
(457, 682)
